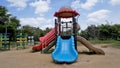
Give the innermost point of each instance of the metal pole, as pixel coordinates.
(5, 43)
(6, 33)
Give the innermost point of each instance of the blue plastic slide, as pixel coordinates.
(65, 50)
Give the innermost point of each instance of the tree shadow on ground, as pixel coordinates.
(87, 53)
(4, 49)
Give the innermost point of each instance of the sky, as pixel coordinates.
(40, 13)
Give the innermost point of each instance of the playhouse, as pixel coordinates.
(64, 37)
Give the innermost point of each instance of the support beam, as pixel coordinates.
(89, 46)
(49, 46)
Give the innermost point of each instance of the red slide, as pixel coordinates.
(45, 41)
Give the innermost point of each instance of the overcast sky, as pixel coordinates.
(39, 13)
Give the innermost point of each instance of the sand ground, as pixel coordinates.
(25, 59)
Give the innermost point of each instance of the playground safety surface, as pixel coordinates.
(25, 59)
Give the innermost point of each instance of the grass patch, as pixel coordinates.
(114, 43)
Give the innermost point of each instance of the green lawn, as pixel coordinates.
(114, 43)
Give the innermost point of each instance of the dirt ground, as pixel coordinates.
(25, 59)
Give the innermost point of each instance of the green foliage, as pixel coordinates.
(9, 22)
(102, 32)
(84, 34)
(33, 31)
(46, 30)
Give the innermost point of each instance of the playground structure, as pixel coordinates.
(4, 41)
(30, 40)
(21, 41)
(45, 41)
(64, 37)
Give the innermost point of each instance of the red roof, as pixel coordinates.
(66, 12)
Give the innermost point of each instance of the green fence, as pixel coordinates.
(4, 41)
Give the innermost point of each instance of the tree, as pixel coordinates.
(102, 32)
(47, 30)
(84, 34)
(33, 31)
(92, 31)
(9, 22)
(3, 15)
(115, 32)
